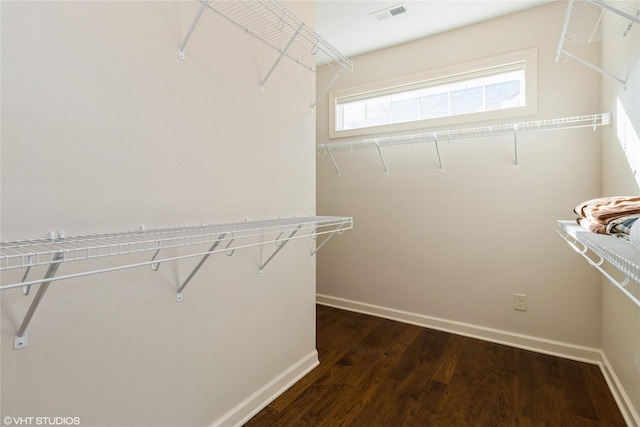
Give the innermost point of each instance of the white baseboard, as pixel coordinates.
(526, 342)
(253, 404)
(259, 400)
(629, 412)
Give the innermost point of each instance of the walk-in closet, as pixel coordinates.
(310, 213)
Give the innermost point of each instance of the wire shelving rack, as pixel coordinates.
(513, 129)
(277, 27)
(619, 253)
(591, 21)
(58, 249)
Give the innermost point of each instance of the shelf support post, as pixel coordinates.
(323, 93)
(22, 339)
(200, 264)
(565, 26)
(193, 26)
(515, 144)
(333, 159)
(282, 53)
(337, 230)
(595, 67)
(280, 246)
(384, 164)
(435, 140)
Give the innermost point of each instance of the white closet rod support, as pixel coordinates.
(384, 164)
(595, 68)
(191, 28)
(200, 264)
(22, 339)
(280, 244)
(333, 159)
(338, 230)
(282, 53)
(565, 27)
(515, 144)
(324, 92)
(435, 140)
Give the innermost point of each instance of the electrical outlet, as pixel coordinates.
(520, 302)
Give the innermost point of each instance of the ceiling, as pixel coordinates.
(349, 27)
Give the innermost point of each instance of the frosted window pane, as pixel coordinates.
(503, 95)
(433, 106)
(466, 101)
(456, 97)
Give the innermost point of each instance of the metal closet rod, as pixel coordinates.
(490, 131)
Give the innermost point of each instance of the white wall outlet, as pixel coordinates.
(520, 302)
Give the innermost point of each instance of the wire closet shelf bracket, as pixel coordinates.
(277, 27)
(622, 255)
(513, 129)
(591, 21)
(205, 240)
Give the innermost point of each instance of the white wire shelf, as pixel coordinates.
(593, 121)
(277, 27)
(272, 23)
(590, 21)
(619, 253)
(59, 249)
(36, 252)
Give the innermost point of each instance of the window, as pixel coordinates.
(498, 87)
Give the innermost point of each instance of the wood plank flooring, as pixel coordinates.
(377, 372)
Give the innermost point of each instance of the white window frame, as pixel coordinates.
(467, 71)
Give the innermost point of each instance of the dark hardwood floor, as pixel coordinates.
(377, 372)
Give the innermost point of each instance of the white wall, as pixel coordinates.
(620, 176)
(450, 249)
(105, 129)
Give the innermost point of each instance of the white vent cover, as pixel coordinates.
(388, 12)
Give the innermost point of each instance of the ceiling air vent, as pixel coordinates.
(388, 12)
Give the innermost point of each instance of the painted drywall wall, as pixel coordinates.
(105, 129)
(449, 249)
(620, 176)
